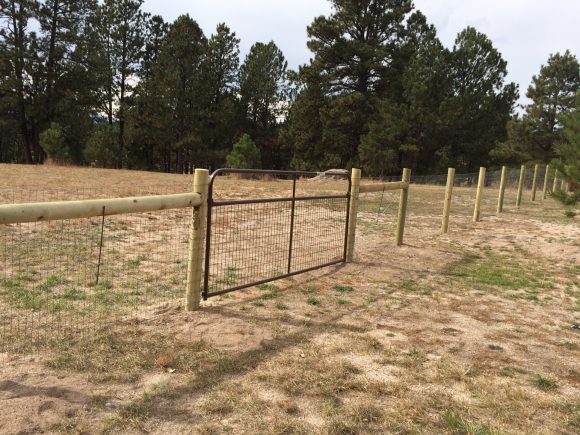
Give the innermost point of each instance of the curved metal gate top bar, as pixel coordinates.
(329, 205)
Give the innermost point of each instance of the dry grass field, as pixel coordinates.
(475, 332)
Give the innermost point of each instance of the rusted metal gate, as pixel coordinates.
(254, 241)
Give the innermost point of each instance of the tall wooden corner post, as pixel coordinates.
(535, 182)
(546, 180)
(521, 186)
(502, 186)
(352, 214)
(447, 202)
(196, 241)
(403, 206)
(478, 197)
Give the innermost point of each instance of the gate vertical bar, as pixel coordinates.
(352, 213)
(196, 241)
(292, 212)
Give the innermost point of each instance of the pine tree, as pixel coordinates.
(245, 154)
(264, 93)
(552, 92)
(567, 149)
(480, 103)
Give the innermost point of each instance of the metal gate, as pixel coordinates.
(254, 241)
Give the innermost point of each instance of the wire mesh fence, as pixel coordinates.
(68, 278)
(427, 193)
(301, 226)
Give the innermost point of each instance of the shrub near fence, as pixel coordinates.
(70, 268)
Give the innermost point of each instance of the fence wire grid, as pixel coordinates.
(259, 241)
(67, 278)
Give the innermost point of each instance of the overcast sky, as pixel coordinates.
(524, 31)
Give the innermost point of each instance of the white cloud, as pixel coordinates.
(525, 31)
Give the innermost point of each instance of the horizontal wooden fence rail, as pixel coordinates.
(47, 211)
(383, 187)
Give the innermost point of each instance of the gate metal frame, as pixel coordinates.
(211, 203)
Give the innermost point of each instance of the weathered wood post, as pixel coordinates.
(447, 201)
(535, 182)
(555, 184)
(480, 185)
(196, 241)
(352, 214)
(546, 179)
(521, 186)
(563, 185)
(502, 186)
(403, 206)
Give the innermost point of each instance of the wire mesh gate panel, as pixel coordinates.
(255, 241)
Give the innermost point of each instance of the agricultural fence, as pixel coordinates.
(72, 267)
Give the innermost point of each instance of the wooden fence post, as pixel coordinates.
(546, 179)
(563, 185)
(555, 184)
(403, 206)
(502, 186)
(521, 186)
(352, 214)
(480, 185)
(535, 182)
(447, 202)
(196, 242)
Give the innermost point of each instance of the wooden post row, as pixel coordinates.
(196, 241)
(502, 186)
(546, 179)
(403, 207)
(535, 182)
(447, 201)
(353, 211)
(478, 197)
(521, 186)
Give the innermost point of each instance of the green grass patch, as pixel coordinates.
(343, 288)
(313, 301)
(136, 262)
(497, 271)
(545, 383)
(458, 424)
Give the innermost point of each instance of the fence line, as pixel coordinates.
(101, 260)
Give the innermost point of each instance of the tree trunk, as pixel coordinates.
(50, 65)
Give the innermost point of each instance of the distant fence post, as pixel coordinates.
(196, 241)
(502, 186)
(403, 206)
(555, 184)
(535, 182)
(352, 214)
(521, 185)
(480, 184)
(447, 202)
(546, 179)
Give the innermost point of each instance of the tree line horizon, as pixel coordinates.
(106, 84)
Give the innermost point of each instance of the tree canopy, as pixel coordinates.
(105, 83)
